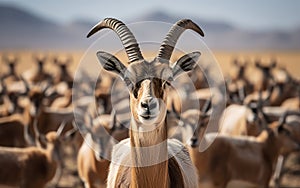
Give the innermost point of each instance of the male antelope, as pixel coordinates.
(152, 158)
(11, 76)
(39, 74)
(64, 75)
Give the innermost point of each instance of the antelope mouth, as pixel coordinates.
(148, 116)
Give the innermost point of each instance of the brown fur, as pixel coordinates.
(157, 175)
(235, 121)
(149, 176)
(13, 130)
(147, 83)
(29, 167)
(291, 104)
(38, 74)
(246, 159)
(50, 119)
(294, 126)
(92, 171)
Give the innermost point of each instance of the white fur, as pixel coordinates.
(121, 156)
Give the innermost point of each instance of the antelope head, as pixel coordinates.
(40, 61)
(63, 64)
(147, 81)
(11, 63)
(36, 94)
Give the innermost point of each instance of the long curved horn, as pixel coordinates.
(167, 46)
(129, 42)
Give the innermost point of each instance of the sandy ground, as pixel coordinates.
(289, 59)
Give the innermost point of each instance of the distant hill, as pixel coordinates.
(160, 15)
(23, 30)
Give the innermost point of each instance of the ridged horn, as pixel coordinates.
(129, 42)
(167, 46)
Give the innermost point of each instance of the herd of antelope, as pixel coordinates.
(147, 139)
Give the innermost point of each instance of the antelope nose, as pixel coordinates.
(149, 104)
(144, 105)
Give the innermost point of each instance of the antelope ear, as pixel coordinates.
(110, 63)
(185, 63)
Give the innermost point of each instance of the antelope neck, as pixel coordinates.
(149, 155)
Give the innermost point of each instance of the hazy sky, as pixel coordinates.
(250, 14)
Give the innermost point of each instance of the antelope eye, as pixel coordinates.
(136, 89)
(170, 79)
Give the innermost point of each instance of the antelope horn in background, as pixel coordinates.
(61, 128)
(282, 119)
(113, 121)
(37, 133)
(242, 94)
(174, 110)
(167, 46)
(131, 46)
(206, 107)
(27, 87)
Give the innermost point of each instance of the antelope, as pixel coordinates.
(284, 86)
(6, 107)
(255, 154)
(291, 104)
(148, 83)
(238, 75)
(198, 77)
(14, 129)
(64, 75)
(248, 119)
(235, 92)
(31, 167)
(237, 72)
(184, 100)
(263, 75)
(292, 121)
(11, 75)
(64, 97)
(92, 160)
(38, 75)
(12, 99)
(48, 118)
(182, 126)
